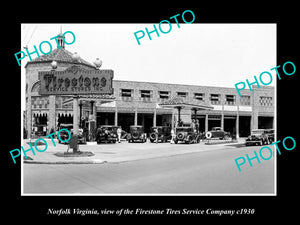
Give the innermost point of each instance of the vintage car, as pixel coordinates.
(107, 134)
(163, 132)
(270, 134)
(64, 135)
(260, 137)
(40, 130)
(136, 134)
(187, 135)
(217, 132)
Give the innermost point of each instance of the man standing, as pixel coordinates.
(119, 132)
(156, 134)
(172, 136)
(197, 126)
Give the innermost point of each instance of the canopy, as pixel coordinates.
(178, 102)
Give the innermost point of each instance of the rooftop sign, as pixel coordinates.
(76, 80)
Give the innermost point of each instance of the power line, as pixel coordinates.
(31, 36)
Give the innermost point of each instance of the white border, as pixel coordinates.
(23, 107)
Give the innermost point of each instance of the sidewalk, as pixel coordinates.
(119, 152)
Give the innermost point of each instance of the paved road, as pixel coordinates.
(208, 172)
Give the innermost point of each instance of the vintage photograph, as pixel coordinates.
(105, 114)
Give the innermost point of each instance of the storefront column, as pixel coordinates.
(80, 113)
(154, 118)
(222, 121)
(51, 119)
(237, 126)
(135, 117)
(28, 117)
(75, 115)
(116, 116)
(206, 122)
(173, 119)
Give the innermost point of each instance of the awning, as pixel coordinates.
(178, 102)
(104, 98)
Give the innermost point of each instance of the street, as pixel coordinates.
(206, 172)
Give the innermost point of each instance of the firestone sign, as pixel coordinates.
(75, 80)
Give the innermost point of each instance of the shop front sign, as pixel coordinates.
(75, 80)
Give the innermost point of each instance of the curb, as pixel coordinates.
(95, 161)
(220, 142)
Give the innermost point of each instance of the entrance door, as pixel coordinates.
(244, 125)
(230, 124)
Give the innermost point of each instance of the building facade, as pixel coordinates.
(138, 103)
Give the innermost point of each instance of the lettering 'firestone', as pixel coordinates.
(23, 54)
(142, 33)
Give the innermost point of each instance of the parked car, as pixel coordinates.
(260, 137)
(107, 133)
(40, 130)
(164, 133)
(270, 134)
(136, 134)
(217, 132)
(186, 135)
(64, 135)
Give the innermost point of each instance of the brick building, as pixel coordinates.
(139, 102)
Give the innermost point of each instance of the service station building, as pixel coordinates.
(62, 88)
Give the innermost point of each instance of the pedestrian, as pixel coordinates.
(193, 125)
(197, 126)
(172, 136)
(119, 132)
(106, 136)
(156, 135)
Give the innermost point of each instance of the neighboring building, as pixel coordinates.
(138, 102)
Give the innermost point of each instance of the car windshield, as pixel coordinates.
(158, 129)
(256, 132)
(182, 129)
(135, 128)
(269, 131)
(114, 128)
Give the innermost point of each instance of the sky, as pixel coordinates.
(196, 54)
